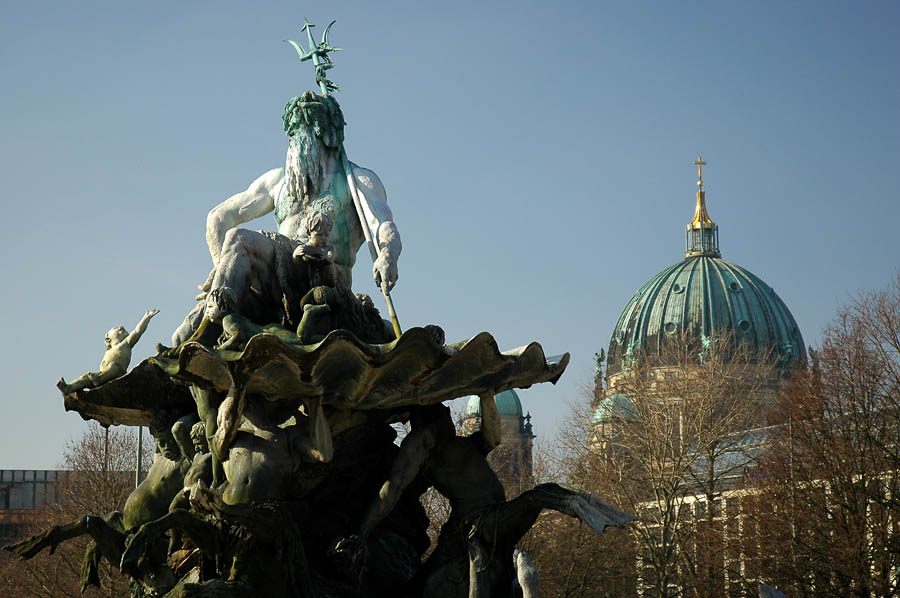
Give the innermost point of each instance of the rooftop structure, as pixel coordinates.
(702, 297)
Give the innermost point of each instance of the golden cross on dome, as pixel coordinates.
(699, 163)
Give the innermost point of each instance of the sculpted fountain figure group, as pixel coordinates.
(277, 472)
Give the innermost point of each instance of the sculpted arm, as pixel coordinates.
(414, 452)
(141, 327)
(380, 221)
(258, 200)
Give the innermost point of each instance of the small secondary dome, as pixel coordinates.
(507, 402)
(704, 296)
(612, 407)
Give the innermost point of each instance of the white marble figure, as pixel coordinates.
(312, 176)
(256, 265)
(116, 359)
(222, 234)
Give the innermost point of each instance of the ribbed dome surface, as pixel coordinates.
(507, 402)
(705, 296)
(612, 407)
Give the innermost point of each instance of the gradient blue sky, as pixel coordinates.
(537, 157)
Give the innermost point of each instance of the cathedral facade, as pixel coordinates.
(689, 327)
(698, 301)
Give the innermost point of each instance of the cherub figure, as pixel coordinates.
(317, 252)
(116, 359)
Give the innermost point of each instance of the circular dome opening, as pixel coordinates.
(744, 325)
(734, 287)
(670, 327)
(677, 288)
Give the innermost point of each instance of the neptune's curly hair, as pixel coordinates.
(322, 114)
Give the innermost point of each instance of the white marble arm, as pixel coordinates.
(380, 222)
(258, 200)
(141, 327)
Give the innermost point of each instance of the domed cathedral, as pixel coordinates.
(512, 459)
(698, 301)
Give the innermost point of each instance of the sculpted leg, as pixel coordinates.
(208, 402)
(137, 559)
(228, 421)
(246, 257)
(188, 326)
(110, 541)
(181, 432)
(91, 379)
(479, 571)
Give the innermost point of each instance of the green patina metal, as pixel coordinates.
(705, 297)
(614, 407)
(319, 55)
(507, 402)
(311, 114)
(336, 200)
(322, 113)
(701, 298)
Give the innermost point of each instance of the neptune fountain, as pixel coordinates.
(277, 471)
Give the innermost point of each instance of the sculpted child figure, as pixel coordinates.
(317, 252)
(116, 359)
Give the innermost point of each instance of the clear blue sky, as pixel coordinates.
(537, 157)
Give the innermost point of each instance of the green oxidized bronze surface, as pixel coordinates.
(341, 371)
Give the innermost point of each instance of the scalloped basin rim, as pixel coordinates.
(345, 372)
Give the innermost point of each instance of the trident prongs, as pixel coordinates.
(319, 55)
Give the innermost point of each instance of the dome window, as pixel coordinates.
(677, 288)
(744, 325)
(734, 287)
(670, 327)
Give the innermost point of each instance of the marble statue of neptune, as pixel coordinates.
(258, 268)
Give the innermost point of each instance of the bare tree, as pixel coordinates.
(572, 560)
(826, 500)
(101, 473)
(674, 447)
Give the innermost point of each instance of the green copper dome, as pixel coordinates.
(705, 296)
(507, 402)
